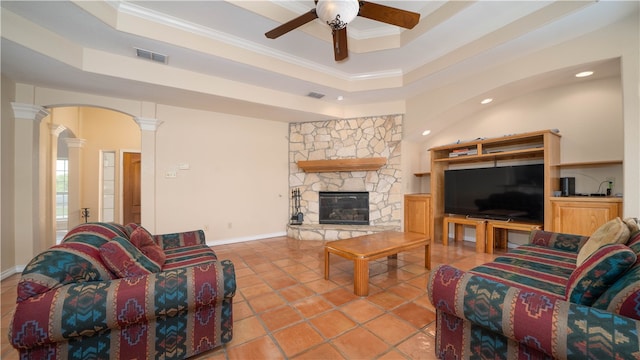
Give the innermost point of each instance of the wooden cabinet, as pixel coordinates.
(417, 213)
(583, 215)
(541, 146)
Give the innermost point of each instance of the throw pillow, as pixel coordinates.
(596, 274)
(125, 260)
(632, 223)
(623, 296)
(143, 240)
(612, 232)
(130, 227)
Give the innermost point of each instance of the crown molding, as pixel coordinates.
(148, 124)
(28, 111)
(56, 129)
(75, 142)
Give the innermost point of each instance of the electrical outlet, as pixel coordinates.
(171, 174)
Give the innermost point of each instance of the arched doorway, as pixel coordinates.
(88, 175)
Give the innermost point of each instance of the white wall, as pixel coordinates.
(237, 183)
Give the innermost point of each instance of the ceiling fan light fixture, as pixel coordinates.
(337, 13)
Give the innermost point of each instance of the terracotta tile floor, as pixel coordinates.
(284, 309)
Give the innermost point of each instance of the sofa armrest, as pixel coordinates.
(556, 240)
(556, 327)
(174, 240)
(85, 309)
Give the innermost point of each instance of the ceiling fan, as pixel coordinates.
(338, 13)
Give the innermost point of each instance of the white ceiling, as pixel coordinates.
(224, 41)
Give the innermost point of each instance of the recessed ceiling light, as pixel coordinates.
(486, 101)
(340, 98)
(426, 132)
(584, 74)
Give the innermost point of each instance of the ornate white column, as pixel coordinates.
(148, 127)
(75, 181)
(51, 220)
(29, 202)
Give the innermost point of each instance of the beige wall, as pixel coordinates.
(7, 130)
(237, 184)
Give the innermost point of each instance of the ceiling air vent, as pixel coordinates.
(315, 95)
(150, 55)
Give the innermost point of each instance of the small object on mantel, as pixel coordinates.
(335, 165)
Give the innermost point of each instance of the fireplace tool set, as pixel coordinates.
(296, 215)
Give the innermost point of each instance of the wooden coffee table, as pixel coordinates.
(361, 249)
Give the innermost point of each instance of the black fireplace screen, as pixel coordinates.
(341, 207)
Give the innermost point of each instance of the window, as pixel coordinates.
(62, 189)
(108, 185)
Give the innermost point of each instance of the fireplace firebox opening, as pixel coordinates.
(344, 207)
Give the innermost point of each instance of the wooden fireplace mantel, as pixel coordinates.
(361, 164)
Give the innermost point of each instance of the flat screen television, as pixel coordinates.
(506, 193)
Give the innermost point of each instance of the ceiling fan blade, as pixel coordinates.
(292, 24)
(389, 15)
(340, 51)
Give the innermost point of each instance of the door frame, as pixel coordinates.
(120, 216)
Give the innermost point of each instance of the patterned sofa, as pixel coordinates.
(110, 291)
(560, 296)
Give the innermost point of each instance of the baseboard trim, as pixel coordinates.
(15, 270)
(245, 238)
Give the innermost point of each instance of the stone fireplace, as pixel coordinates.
(371, 137)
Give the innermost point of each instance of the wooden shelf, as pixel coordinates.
(502, 155)
(421, 174)
(362, 164)
(590, 164)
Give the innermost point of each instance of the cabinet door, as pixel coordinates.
(582, 218)
(416, 214)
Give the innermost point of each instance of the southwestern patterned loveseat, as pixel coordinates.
(116, 292)
(560, 296)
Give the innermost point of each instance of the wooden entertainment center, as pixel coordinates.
(562, 214)
(538, 146)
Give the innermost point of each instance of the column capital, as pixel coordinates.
(56, 129)
(75, 143)
(148, 124)
(28, 111)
